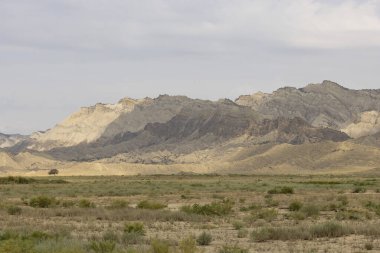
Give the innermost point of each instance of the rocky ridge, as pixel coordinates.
(259, 131)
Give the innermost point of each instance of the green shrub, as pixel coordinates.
(343, 200)
(67, 203)
(298, 215)
(145, 204)
(279, 233)
(188, 245)
(267, 214)
(238, 225)
(328, 229)
(110, 236)
(42, 202)
(39, 235)
(215, 208)
(16, 246)
(359, 189)
(133, 233)
(136, 227)
(242, 233)
(295, 206)
(14, 210)
(373, 207)
(350, 215)
(8, 234)
(132, 238)
(270, 202)
(85, 203)
(281, 190)
(310, 210)
(16, 180)
(232, 249)
(103, 246)
(159, 246)
(249, 208)
(204, 239)
(118, 204)
(368, 246)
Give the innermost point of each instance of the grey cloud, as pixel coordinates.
(57, 55)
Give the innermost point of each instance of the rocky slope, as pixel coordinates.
(198, 125)
(9, 140)
(322, 105)
(289, 129)
(84, 126)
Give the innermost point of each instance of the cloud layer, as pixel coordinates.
(58, 55)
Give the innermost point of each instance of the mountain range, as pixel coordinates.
(317, 128)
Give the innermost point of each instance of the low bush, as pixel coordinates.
(67, 203)
(136, 227)
(351, 215)
(242, 233)
(359, 189)
(310, 210)
(159, 246)
(295, 206)
(238, 225)
(110, 236)
(372, 206)
(270, 202)
(85, 203)
(281, 190)
(42, 202)
(267, 214)
(214, 209)
(118, 204)
(14, 210)
(232, 249)
(133, 233)
(103, 246)
(16, 180)
(204, 239)
(368, 246)
(146, 204)
(249, 208)
(327, 229)
(188, 245)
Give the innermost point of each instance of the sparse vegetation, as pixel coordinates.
(215, 208)
(85, 203)
(233, 249)
(92, 214)
(118, 204)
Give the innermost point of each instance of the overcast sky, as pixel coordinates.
(59, 55)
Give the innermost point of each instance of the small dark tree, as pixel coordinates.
(53, 172)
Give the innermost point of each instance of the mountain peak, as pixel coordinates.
(325, 86)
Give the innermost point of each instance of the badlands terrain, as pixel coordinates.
(296, 170)
(316, 129)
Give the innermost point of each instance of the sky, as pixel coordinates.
(59, 55)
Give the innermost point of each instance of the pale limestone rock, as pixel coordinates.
(369, 123)
(84, 126)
